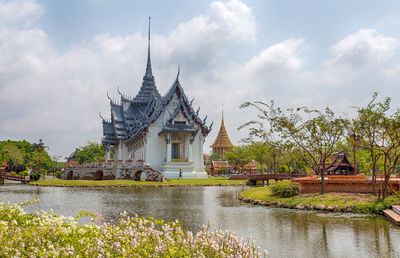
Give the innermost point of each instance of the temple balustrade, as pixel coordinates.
(110, 164)
(113, 169)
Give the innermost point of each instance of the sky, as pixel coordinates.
(58, 60)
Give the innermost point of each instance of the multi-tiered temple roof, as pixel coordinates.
(131, 116)
(222, 143)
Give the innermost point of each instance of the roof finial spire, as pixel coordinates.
(148, 67)
(148, 84)
(179, 71)
(149, 28)
(222, 114)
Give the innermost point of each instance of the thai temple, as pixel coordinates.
(163, 131)
(222, 143)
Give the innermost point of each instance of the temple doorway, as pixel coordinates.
(175, 151)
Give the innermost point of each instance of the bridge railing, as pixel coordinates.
(8, 176)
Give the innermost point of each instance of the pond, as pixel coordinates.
(282, 232)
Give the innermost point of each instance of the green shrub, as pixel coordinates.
(58, 174)
(36, 175)
(285, 189)
(24, 173)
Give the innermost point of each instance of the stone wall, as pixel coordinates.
(112, 170)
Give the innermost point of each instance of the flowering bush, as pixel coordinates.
(285, 189)
(48, 235)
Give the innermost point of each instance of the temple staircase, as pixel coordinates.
(393, 214)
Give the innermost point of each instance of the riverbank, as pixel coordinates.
(132, 183)
(332, 202)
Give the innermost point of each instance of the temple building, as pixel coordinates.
(340, 165)
(222, 143)
(163, 131)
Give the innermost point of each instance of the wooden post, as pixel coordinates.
(355, 138)
(355, 160)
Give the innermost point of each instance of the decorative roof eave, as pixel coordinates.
(124, 98)
(140, 133)
(109, 132)
(113, 102)
(104, 120)
(178, 128)
(109, 141)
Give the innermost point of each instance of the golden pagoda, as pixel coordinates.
(222, 143)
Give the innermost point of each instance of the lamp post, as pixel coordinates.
(40, 147)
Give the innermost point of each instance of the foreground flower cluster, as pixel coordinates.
(48, 235)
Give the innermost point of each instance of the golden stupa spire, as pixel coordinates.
(222, 140)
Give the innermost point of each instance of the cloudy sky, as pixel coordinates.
(59, 58)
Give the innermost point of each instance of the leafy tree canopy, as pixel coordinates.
(214, 157)
(93, 151)
(22, 155)
(239, 155)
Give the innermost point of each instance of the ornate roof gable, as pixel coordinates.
(184, 105)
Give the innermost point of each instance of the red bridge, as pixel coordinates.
(5, 175)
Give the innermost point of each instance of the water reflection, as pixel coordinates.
(283, 232)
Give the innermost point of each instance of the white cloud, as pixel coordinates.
(278, 60)
(362, 49)
(19, 10)
(56, 95)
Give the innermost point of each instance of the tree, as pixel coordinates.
(14, 156)
(315, 135)
(369, 125)
(93, 151)
(239, 155)
(313, 131)
(214, 157)
(55, 163)
(389, 147)
(259, 152)
(262, 130)
(22, 154)
(293, 157)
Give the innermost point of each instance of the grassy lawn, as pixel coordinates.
(183, 182)
(360, 203)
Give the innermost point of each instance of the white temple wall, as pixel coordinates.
(125, 153)
(198, 152)
(156, 147)
(138, 154)
(185, 143)
(115, 151)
